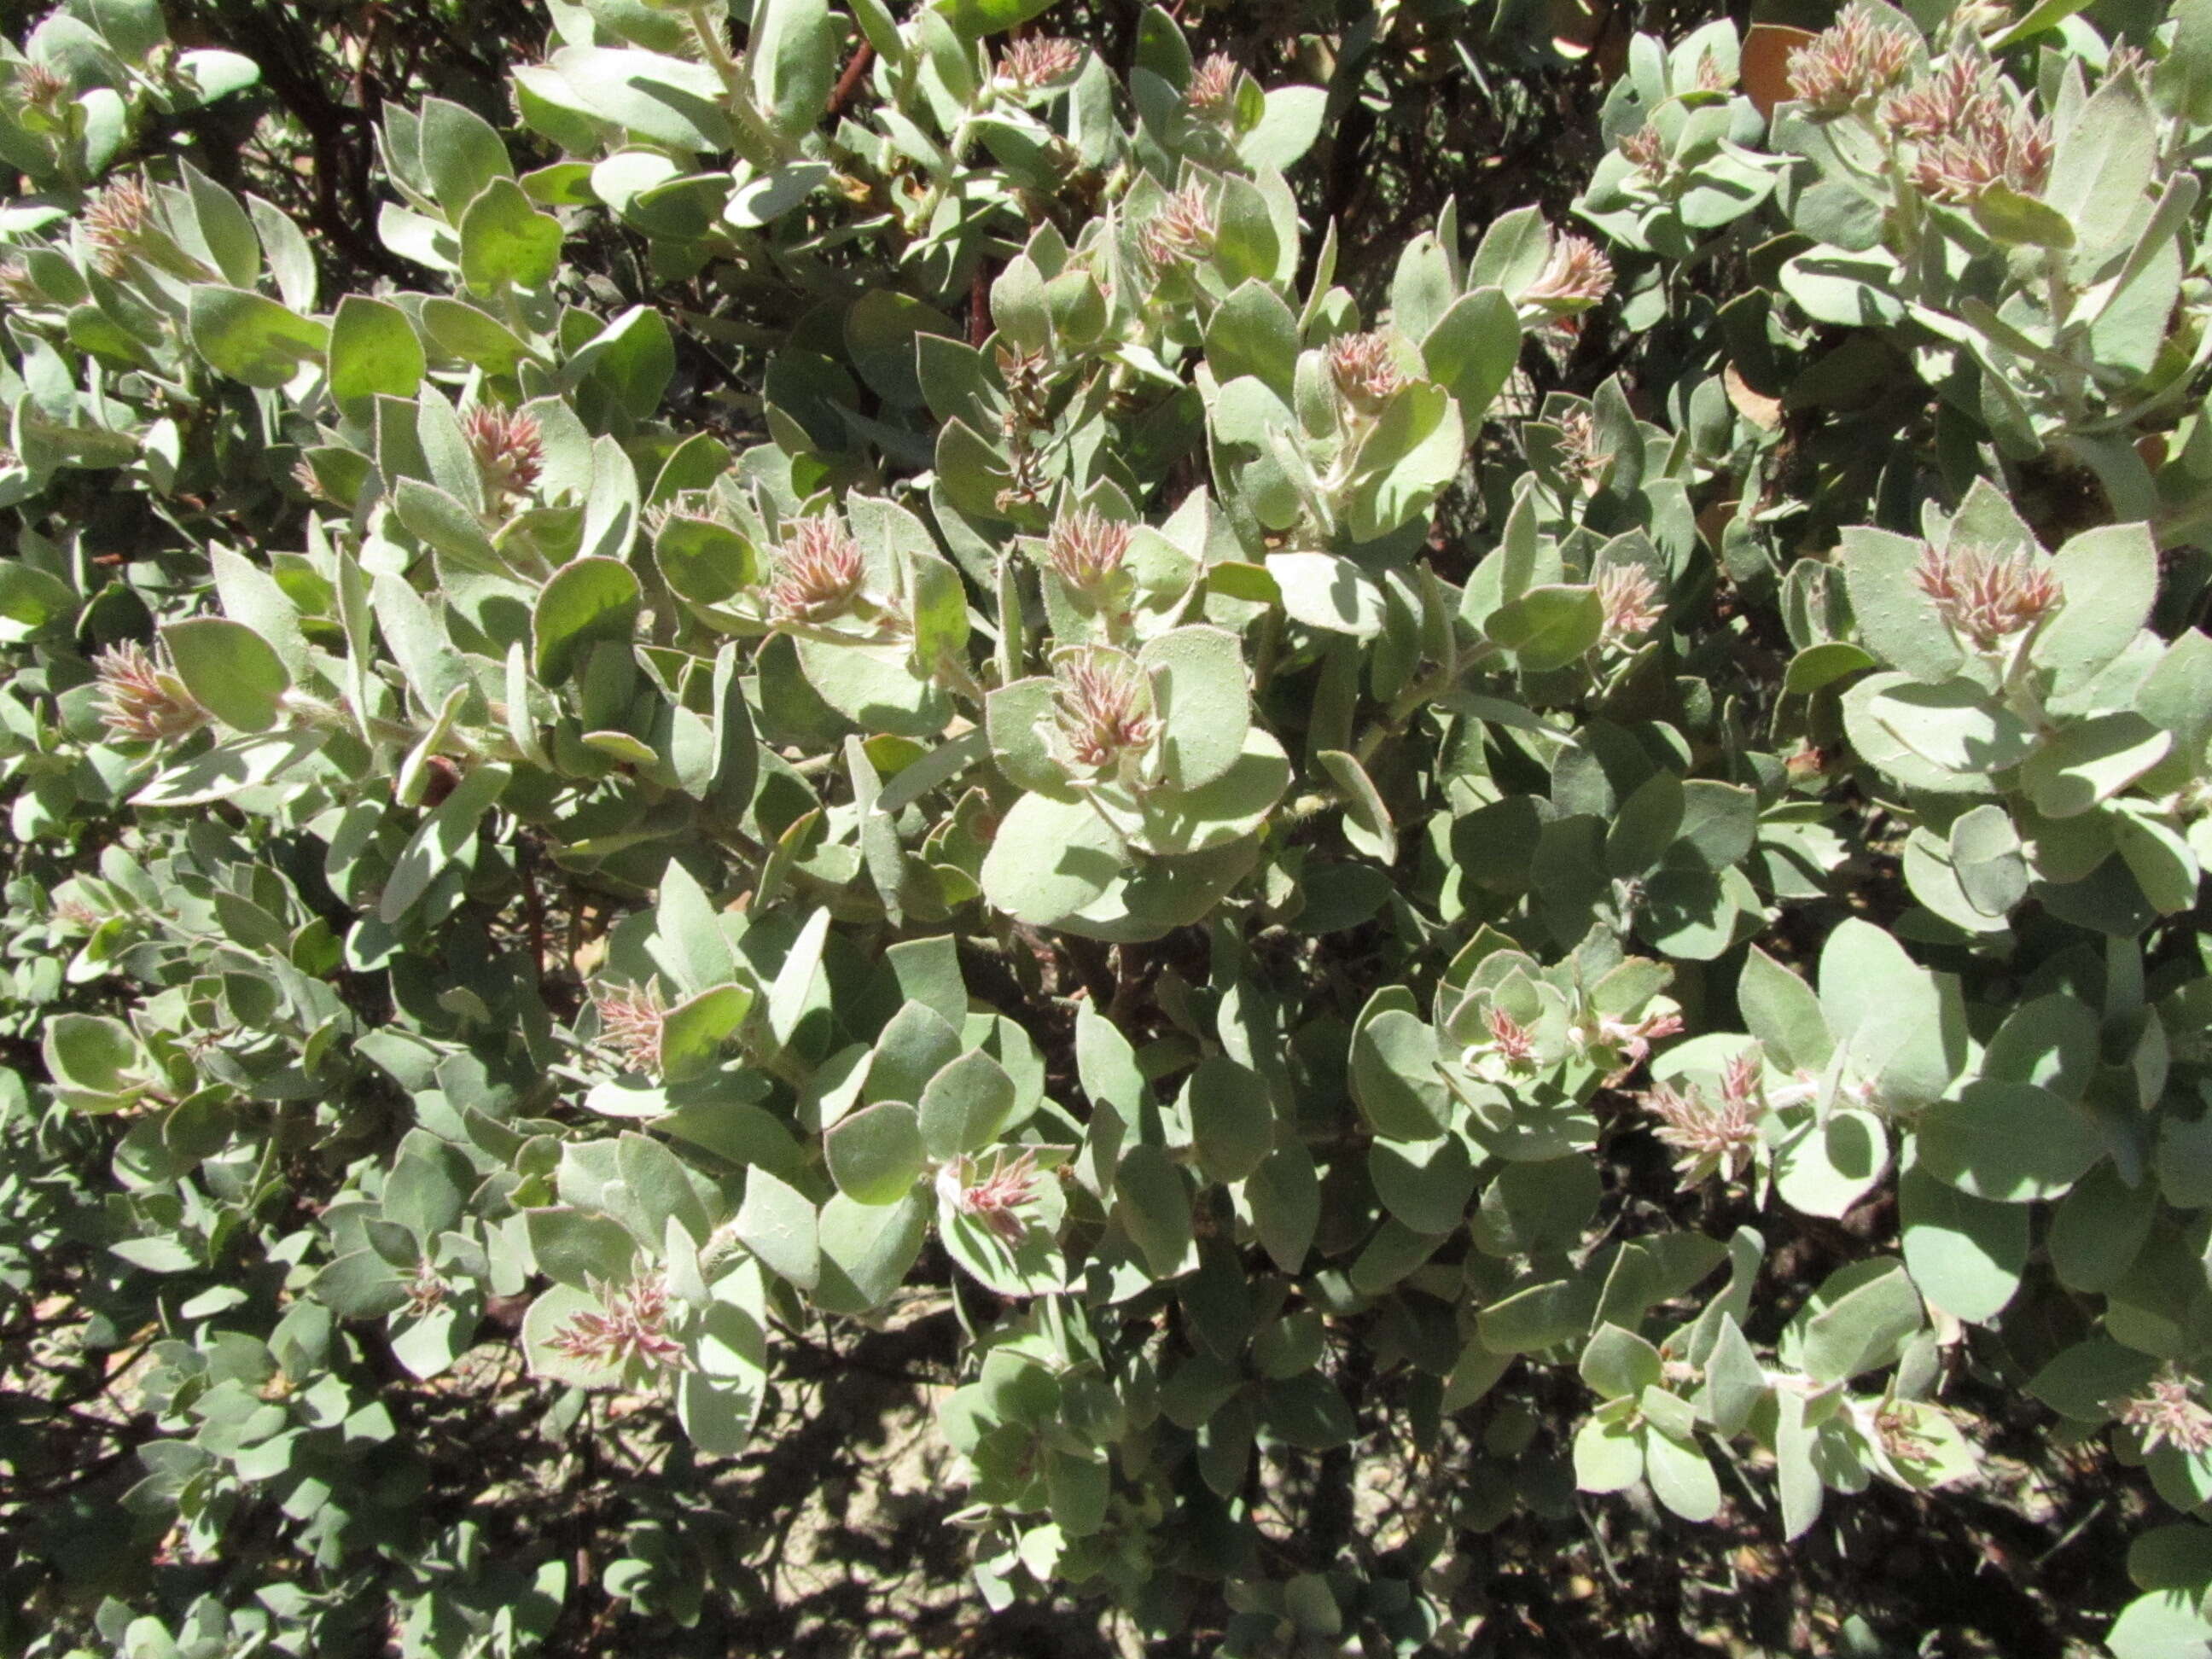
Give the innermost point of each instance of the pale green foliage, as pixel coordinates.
(1111, 614)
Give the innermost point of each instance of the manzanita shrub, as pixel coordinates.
(863, 687)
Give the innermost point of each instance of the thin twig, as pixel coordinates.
(847, 83)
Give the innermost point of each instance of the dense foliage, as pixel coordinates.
(1337, 793)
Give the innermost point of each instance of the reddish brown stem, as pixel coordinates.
(849, 82)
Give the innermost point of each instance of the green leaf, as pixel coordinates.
(231, 671)
(2109, 577)
(251, 338)
(792, 992)
(1720, 823)
(1864, 1327)
(2164, 1625)
(2091, 761)
(1797, 1474)
(2010, 216)
(1535, 1207)
(1049, 858)
(2047, 15)
(660, 1189)
(1608, 1454)
(694, 1032)
(1783, 1013)
(2050, 1041)
(2087, 1381)
(1425, 1184)
(1645, 826)
(2163, 864)
(881, 331)
(1618, 1363)
(667, 99)
(1695, 914)
(688, 943)
(1895, 618)
(974, 19)
(2099, 1229)
(1832, 1163)
(1309, 1412)
(32, 600)
(1541, 1316)
(778, 1224)
(876, 1154)
(737, 750)
(427, 1190)
(794, 54)
(1201, 701)
(1965, 1254)
(2104, 159)
(588, 601)
(443, 523)
(915, 1044)
(1822, 664)
(1472, 349)
(1226, 810)
(867, 1249)
(1956, 724)
(1232, 1118)
(474, 336)
(1290, 121)
(1013, 717)
(1987, 860)
(1285, 1193)
(1245, 240)
(574, 1249)
(965, 1105)
(1367, 823)
(1852, 292)
(2177, 694)
(95, 1060)
(461, 154)
(1078, 1492)
(879, 687)
(1680, 1476)
(1395, 1078)
(1254, 332)
(438, 840)
(219, 773)
(1735, 1381)
(702, 561)
(1151, 1201)
(359, 1285)
(507, 242)
(374, 351)
(210, 74)
(1325, 592)
(1547, 627)
(632, 359)
(222, 228)
(719, 1397)
(2008, 1142)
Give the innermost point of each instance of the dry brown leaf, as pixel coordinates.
(1761, 411)
(1765, 70)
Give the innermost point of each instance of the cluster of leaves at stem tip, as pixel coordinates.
(865, 691)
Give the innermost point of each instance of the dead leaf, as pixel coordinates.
(1713, 522)
(1764, 68)
(1761, 411)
